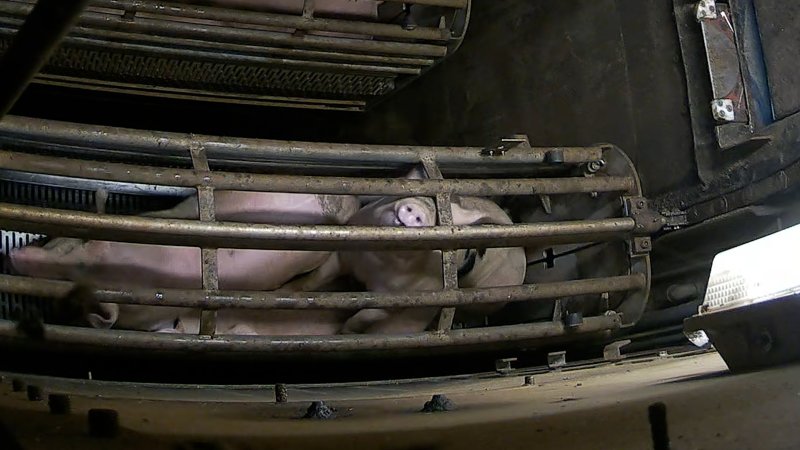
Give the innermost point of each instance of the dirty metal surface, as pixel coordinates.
(703, 404)
(779, 22)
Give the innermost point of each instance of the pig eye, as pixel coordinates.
(419, 220)
(408, 208)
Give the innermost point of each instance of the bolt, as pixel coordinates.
(34, 393)
(281, 394)
(17, 385)
(529, 381)
(645, 244)
(103, 423)
(640, 204)
(58, 403)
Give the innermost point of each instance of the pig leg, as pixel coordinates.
(327, 272)
(380, 321)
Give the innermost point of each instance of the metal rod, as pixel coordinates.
(187, 94)
(304, 237)
(232, 149)
(460, 4)
(162, 45)
(48, 23)
(444, 212)
(200, 299)
(304, 22)
(136, 340)
(208, 256)
(161, 176)
(240, 35)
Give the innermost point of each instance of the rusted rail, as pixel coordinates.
(200, 299)
(134, 340)
(309, 237)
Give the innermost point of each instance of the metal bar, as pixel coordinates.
(313, 55)
(444, 212)
(306, 184)
(306, 22)
(46, 24)
(223, 50)
(255, 150)
(308, 8)
(135, 340)
(210, 272)
(177, 93)
(460, 4)
(239, 35)
(200, 299)
(304, 237)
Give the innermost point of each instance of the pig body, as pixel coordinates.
(119, 264)
(405, 271)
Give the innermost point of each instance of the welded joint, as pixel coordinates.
(506, 144)
(647, 219)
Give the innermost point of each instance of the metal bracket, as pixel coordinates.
(648, 220)
(612, 352)
(507, 144)
(706, 10)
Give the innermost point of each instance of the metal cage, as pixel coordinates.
(87, 158)
(278, 58)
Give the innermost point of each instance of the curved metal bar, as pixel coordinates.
(127, 173)
(239, 35)
(199, 299)
(135, 340)
(231, 149)
(309, 237)
(276, 20)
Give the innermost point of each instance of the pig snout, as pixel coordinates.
(412, 214)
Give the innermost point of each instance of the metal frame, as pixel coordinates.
(379, 57)
(563, 166)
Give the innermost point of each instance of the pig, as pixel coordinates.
(121, 265)
(404, 271)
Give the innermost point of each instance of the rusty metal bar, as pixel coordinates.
(214, 96)
(309, 237)
(240, 35)
(460, 4)
(158, 42)
(270, 152)
(305, 22)
(200, 299)
(210, 272)
(224, 51)
(136, 340)
(45, 26)
(444, 212)
(306, 184)
(236, 58)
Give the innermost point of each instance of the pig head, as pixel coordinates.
(124, 265)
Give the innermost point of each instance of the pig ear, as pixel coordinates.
(417, 173)
(106, 317)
